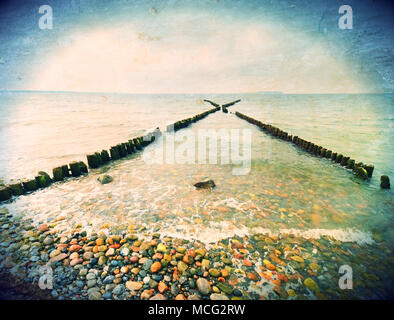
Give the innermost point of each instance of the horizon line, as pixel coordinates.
(195, 93)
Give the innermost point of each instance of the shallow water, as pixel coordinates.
(286, 190)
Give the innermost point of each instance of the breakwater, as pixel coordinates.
(94, 160)
(361, 170)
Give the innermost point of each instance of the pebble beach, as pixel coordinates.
(140, 265)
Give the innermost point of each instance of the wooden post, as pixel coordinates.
(58, 174)
(369, 168)
(5, 193)
(30, 185)
(83, 167)
(17, 189)
(75, 169)
(66, 171)
(114, 153)
(350, 164)
(385, 182)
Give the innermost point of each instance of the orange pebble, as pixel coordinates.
(247, 263)
(276, 282)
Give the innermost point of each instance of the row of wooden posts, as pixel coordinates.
(363, 171)
(94, 160)
(187, 122)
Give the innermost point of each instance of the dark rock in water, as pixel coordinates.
(16, 189)
(205, 184)
(58, 174)
(105, 179)
(5, 193)
(385, 182)
(224, 109)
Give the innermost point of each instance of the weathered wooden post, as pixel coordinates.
(105, 156)
(66, 171)
(43, 179)
(5, 193)
(17, 189)
(114, 153)
(30, 185)
(344, 161)
(93, 161)
(334, 156)
(369, 168)
(58, 174)
(350, 164)
(361, 172)
(75, 168)
(83, 167)
(137, 144)
(385, 182)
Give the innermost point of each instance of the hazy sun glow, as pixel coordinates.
(210, 57)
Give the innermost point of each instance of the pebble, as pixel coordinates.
(146, 294)
(76, 261)
(95, 295)
(48, 240)
(155, 267)
(87, 255)
(54, 253)
(217, 296)
(203, 286)
(146, 280)
(90, 275)
(158, 296)
(133, 285)
(118, 289)
(108, 279)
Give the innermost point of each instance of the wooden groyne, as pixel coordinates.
(187, 122)
(94, 160)
(361, 170)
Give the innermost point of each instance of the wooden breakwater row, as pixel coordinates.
(187, 122)
(94, 161)
(363, 171)
(77, 168)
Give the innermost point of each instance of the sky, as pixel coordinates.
(199, 46)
